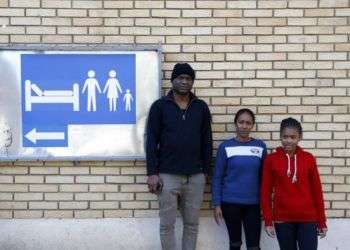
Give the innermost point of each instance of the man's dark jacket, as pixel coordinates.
(178, 141)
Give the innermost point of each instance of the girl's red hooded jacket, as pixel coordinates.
(296, 188)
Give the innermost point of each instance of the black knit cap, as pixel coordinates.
(183, 68)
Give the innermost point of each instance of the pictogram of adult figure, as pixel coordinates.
(91, 84)
(113, 88)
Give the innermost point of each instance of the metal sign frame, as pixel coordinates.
(76, 49)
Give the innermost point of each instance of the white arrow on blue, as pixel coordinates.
(33, 135)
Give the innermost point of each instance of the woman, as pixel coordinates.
(236, 183)
(291, 175)
(112, 88)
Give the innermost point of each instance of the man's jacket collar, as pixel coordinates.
(170, 96)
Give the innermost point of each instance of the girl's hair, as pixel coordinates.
(291, 123)
(241, 111)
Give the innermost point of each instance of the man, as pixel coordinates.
(91, 84)
(178, 149)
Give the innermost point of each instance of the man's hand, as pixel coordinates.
(270, 230)
(218, 215)
(207, 181)
(322, 232)
(153, 181)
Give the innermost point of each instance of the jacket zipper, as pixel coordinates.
(184, 114)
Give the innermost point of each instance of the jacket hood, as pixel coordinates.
(293, 174)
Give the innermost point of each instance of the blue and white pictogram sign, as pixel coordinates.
(59, 90)
(76, 102)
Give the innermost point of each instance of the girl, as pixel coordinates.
(296, 207)
(236, 182)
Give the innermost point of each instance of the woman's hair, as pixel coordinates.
(241, 111)
(291, 123)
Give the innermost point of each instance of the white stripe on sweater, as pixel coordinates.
(244, 151)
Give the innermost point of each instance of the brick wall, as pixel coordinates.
(279, 58)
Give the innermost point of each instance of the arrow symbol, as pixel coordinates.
(33, 135)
